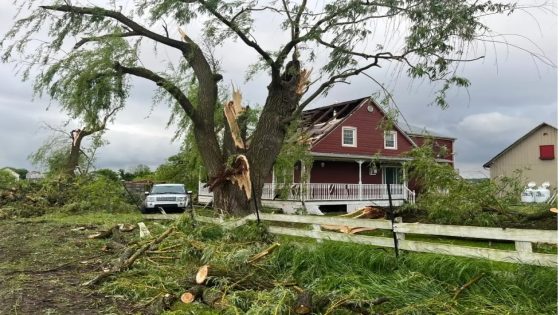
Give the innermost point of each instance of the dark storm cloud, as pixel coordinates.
(510, 93)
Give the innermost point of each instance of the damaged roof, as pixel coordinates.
(319, 121)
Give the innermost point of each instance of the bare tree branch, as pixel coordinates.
(332, 80)
(241, 35)
(141, 30)
(163, 83)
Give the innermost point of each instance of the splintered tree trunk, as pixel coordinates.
(265, 145)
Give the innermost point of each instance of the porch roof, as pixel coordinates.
(354, 157)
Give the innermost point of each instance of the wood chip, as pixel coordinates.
(202, 274)
(144, 232)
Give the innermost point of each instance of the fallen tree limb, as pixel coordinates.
(307, 304)
(467, 285)
(265, 252)
(104, 234)
(125, 263)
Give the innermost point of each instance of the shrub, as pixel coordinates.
(449, 199)
(98, 193)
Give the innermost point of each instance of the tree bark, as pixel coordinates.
(265, 143)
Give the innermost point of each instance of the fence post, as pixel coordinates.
(392, 214)
(317, 228)
(400, 236)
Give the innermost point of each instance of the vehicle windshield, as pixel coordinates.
(163, 189)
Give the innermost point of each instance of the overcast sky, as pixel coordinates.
(510, 93)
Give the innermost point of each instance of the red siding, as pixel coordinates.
(369, 135)
(334, 172)
(342, 172)
(438, 143)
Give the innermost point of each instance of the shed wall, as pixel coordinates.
(525, 156)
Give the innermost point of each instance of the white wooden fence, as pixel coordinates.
(523, 238)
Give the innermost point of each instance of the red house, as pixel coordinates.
(355, 157)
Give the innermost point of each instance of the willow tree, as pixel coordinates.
(334, 38)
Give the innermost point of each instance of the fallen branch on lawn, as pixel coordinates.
(306, 304)
(265, 252)
(466, 285)
(125, 262)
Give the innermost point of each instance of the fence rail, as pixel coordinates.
(523, 238)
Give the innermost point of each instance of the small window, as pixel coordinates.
(390, 139)
(547, 152)
(349, 137)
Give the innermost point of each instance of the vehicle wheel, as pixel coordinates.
(145, 210)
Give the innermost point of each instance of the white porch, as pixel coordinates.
(313, 195)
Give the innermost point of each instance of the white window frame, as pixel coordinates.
(354, 137)
(394, 133)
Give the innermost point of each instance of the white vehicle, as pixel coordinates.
(168, 197)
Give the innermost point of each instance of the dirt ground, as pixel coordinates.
(42, 265)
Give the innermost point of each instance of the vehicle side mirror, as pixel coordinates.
(146, 193)
(189, 192)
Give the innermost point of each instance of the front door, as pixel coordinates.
(392, 175)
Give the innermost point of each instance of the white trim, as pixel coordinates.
(394, 133)
(354, 137)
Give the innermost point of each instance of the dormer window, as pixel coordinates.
(349, 137)
(391, 140)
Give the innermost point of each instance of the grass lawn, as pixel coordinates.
(44, 260)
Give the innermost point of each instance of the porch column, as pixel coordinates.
(273, 184)
(360, 162)
(404, 182)
(301, 173)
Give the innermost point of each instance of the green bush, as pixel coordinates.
(98, 193)
(447, 198)
(7, 180)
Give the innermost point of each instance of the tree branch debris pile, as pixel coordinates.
(215, 270)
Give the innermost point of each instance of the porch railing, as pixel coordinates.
(331, 191)
(335, 191)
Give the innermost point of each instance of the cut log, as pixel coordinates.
(202, 274)
(192, 294)
(265, 252)
(304, 303)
